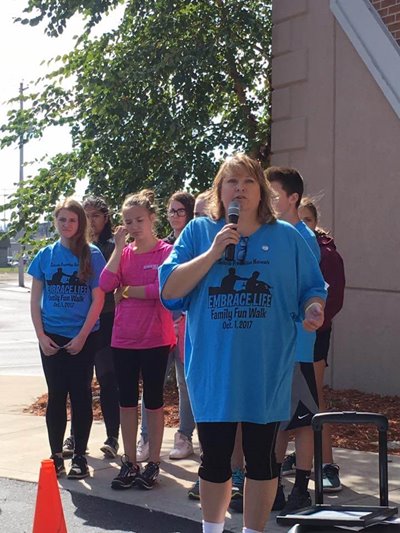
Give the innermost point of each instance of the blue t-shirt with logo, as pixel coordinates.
(65, 299)
(241, 333)
(305, 339)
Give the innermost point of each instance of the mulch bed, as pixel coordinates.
(354, 437)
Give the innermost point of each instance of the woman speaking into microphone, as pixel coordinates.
(241, 333)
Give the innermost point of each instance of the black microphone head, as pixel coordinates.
(233, 211)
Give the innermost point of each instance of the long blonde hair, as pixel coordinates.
(79, 243)
(266, 213)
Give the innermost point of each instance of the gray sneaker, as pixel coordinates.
(110, 447)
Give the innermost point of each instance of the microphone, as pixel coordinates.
(233, 218)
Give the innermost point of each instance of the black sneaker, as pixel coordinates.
(148, 478)
(330, 478)
(289, 465)
(68, 447)
(79, 468)
(110, 447)
(296, 500)
(280, 500)
(194, 491)
(236, 503)
(127, 476)
(58, 465)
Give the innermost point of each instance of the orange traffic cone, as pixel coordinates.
(49, 515)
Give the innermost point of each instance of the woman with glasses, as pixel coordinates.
(180, 212)
(240, 357)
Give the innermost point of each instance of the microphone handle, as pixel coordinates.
(230, 249)
(230, 252)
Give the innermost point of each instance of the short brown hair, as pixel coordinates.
(186, 199)
(266, 213)
(289, 178)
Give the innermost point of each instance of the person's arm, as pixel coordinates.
(109, 279)
(151, 291)
(76, 344)
(48, 346)
(130, 291)
(332, 269)
(186, 276)
(120, 243)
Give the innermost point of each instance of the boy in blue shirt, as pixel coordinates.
(288, 186)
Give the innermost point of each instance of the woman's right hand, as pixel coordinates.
(120, 237)
(48, 346)
(118, 295)
(227, 235)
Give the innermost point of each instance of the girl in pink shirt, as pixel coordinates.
(143, 333)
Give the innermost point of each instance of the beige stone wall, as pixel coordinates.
(332, 122)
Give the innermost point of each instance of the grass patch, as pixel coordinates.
(8, 270)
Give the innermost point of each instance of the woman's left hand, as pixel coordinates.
(75, 345)
(314, 317)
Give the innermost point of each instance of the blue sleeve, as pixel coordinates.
(98, 263)
(35, 269)
(182, 252)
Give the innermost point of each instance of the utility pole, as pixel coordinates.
(21, 265)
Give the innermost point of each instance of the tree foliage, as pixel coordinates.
(154, 102)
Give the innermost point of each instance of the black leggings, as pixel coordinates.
(105, 374)
(69, 374)
(217, 441)
(152, 362)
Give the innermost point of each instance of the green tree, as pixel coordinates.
(154, 103)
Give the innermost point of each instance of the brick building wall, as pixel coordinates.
(389, 10)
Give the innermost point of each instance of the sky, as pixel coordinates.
(23, 48)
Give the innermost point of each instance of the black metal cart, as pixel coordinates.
(328, 518)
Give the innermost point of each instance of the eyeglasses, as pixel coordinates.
(178, 212)
(242, 249)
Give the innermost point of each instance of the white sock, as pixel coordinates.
(212, 527)
(248, 530)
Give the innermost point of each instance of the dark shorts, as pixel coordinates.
(321, 346)
(304, 401)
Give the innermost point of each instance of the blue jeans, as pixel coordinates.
(186, 420)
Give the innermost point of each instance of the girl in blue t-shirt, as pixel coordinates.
(240, 333)
(66, 302)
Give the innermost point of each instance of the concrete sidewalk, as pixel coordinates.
(23, 444)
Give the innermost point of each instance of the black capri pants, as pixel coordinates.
(217, 441)
(152, 363)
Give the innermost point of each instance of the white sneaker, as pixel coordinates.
(142, 451)
(182, 447)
